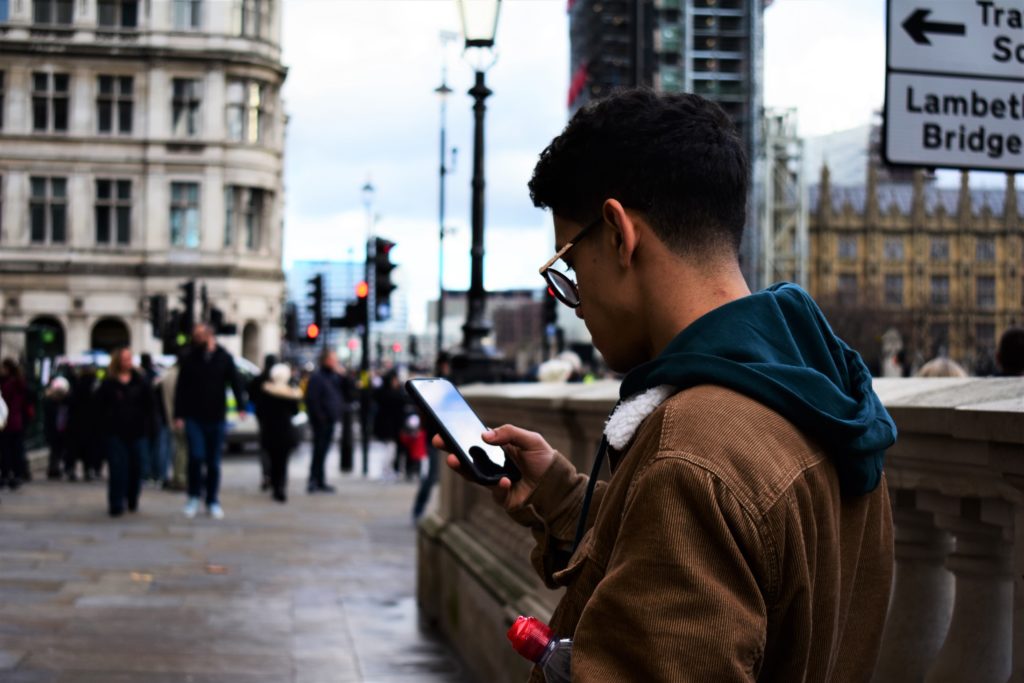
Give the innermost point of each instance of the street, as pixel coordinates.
(319, 589)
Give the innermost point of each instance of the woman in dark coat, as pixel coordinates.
(13, 462)
(125, 405)
(279, 402)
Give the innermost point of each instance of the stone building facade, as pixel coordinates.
(942, 266)
(141, 145)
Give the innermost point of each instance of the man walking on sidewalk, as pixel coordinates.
(324, 403)
(200, 408)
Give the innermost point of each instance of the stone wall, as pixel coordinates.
(956, 475)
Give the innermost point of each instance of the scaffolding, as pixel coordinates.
(784, 201)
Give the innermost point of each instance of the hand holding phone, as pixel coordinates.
(461, 430)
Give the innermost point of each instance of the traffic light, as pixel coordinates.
(383, 286)
(312, 333)
(550, 311)
(158, 314)
(355, 312)
(291, 324)
(187, 318)
(316, 300)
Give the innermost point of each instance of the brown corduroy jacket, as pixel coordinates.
(720, 550)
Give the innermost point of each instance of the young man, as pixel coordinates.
(200, 410)
(324, 403)
(745, 533)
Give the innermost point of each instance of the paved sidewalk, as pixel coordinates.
(319, 589)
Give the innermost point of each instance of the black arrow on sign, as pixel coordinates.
(917, 25)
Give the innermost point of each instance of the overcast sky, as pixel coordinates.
(360, 101)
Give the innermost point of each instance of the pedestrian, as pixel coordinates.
(1010, 353)
(941, 366)
(56, 418)
(745, 532)
(280, 402)
(392, 406)
(412, 439)
(158, 446)
(84, 438)
(178, 453)
(255, 392)
(21, 412)
(349, 407)
(324, 403)
(200, 408)
(442, 368)
(125, 404)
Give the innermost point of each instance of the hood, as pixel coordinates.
(776, 347)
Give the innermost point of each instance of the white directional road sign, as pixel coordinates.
(954, 93)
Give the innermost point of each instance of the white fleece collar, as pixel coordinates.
(626, 418)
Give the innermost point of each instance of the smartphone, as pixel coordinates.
(460, 428)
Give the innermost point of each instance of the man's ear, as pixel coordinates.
(625, 231)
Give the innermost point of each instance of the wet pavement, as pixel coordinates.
(319, 589)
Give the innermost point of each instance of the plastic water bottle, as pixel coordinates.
(532, 638)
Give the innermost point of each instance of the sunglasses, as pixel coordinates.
(561, 285)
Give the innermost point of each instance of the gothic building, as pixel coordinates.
(942, 266)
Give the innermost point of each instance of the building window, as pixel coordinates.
(230, 215)
(114, 104)
(940, 249)
(113, 211)
(118, 13)
(985, 337)
(49, 102)
(185, 215)
(52, 12)
(939, 333)
(848, 289)
(894, 290)
(985, 250)
(251, 18)
(185, 108)
(244, 215)
(985, 292)
(893, 249)
(847, 248)
(48, 210)
(246, 111)
(4, 10)
(940, 290)
(186, 14)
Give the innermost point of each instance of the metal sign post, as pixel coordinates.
(954, 91)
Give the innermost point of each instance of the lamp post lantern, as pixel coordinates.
(479, 25)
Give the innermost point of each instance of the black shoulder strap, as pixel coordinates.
(581, 526)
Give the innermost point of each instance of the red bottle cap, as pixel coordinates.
(529, 637)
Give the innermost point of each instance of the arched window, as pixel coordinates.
(109, 333)
(251, 342)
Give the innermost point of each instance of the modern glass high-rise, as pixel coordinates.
(710, 47)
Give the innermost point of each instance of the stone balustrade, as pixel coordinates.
(956, 476)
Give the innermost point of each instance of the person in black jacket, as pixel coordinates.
(125, 406)
(279, 403)
(255, 392)
(200, 409)
(324, 403)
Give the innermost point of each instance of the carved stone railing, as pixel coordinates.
(956, 476)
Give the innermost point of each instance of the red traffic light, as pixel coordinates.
(312, 331)
(362, 290)
(396, 348)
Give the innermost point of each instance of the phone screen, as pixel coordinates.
(459, 419)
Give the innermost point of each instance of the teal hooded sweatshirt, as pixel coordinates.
(776, 347)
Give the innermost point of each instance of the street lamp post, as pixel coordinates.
(479, 24)
(364, 364)
(443, 91)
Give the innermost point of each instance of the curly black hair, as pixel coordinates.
(676, 158)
